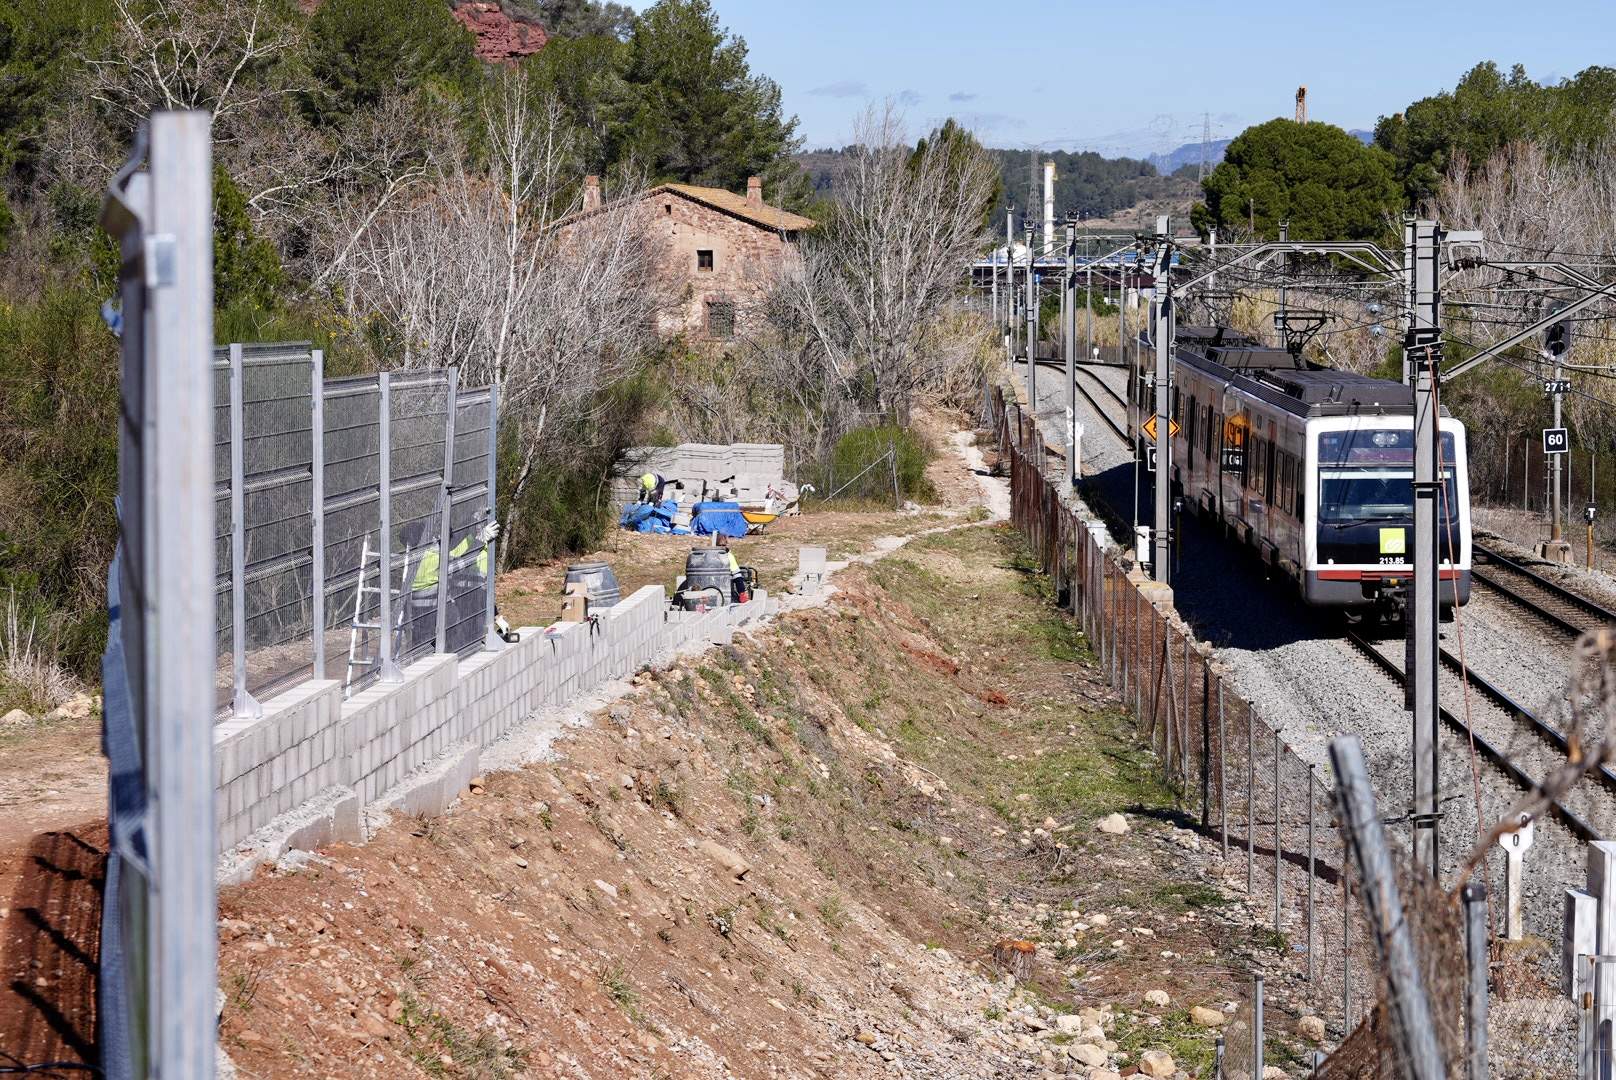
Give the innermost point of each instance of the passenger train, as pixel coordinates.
(1309, 466)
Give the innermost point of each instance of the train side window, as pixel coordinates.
(1189, 431)
(1268, 476)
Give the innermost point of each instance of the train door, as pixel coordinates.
(1232, 459)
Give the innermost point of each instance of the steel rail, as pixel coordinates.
(1099, 409)
(1498, 758)
(1558, 592)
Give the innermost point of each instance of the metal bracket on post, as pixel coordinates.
(243, 705)
(317, 507)
(446, 518)
(390, 672)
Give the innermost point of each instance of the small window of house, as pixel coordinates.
(704, 260)
(720, 319)
(667, 208)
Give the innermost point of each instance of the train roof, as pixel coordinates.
(1289, 382)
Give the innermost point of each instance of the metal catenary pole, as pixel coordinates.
(1032, 325)
(1413, 1029)
(1162, 549)
(1068, 347)
(1423, 337)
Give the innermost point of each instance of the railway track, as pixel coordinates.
(1511, 738)
(1533, 592)
(1100, 410)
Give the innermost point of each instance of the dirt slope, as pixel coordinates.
(794, 857)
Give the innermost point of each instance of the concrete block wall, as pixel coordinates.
(312, 749)
(755, 466)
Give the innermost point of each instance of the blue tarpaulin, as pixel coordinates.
(718, 517)
(652, 517)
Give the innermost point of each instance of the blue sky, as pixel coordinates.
(1058, 74)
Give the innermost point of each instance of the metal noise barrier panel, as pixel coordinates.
(335, 500)
(1270, 813)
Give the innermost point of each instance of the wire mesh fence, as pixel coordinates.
(1271, 813)
(351, 520)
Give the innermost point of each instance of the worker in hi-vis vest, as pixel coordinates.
(652, 485)
(421, 625)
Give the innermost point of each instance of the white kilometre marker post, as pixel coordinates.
(1515, 845)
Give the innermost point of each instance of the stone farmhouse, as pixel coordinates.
(720, 252)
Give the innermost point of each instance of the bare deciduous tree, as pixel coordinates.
(498, 271)
(876, 277)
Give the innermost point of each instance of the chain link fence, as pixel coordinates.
(351, 521)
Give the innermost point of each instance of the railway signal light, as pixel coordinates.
(1557, 338)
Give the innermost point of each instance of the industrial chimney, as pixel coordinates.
(1301, 104)
(591, 193)
(1049, 206)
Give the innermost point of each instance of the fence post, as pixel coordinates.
(384, 508)
(1346, 941)
(317, 507)
(1223, 776)
(1251, 798)
(1312, 817)
(1138, 634)
(1410, 1011)
(1475, 905)
(243, 704)
(1206, 744)
(491, 638)
(1279, 839)
(451, 398)
(1257, 1047)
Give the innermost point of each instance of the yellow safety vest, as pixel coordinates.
(426, 575)
(734, 564)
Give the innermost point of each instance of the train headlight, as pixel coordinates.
(1384, 439)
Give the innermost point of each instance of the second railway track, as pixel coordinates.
(1524, 587)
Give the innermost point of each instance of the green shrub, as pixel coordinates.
(859, 449)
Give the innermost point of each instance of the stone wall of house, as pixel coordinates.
(746, 262)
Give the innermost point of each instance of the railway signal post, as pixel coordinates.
(1556, 343)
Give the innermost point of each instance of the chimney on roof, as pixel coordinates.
(754, 190)
(591, 193)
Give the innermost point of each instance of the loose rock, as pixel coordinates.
(1158, 998)
(1158, 1063)
(1087, 1053)
(1114, 824)
(1311, 1028)
(1205, 1017)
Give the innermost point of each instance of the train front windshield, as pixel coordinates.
(1366, 494)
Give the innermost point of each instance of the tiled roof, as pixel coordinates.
(760, 214)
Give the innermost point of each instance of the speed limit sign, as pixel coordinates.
(1556, 440)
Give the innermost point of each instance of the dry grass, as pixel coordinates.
(31, 678)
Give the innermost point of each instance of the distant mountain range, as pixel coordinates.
(1190, 153)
